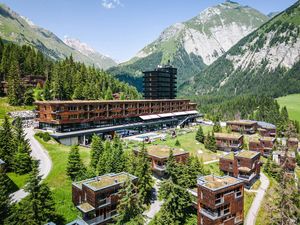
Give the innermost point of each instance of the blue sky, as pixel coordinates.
(120, 28)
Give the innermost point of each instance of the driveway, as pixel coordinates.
(253, 211)
(38, 153)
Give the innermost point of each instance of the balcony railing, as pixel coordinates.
(213, 214)
(104, 202)
(161, 168)
(100, 219)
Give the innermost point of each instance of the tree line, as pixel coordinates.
(64, 80)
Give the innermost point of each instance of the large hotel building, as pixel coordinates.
(74, 122)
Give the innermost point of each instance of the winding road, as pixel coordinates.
(254, 209)
(38, 153)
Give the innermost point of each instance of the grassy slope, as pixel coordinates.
(248, 199)
(19, 180)
(60, 184)
(5, 108)
(292, 102)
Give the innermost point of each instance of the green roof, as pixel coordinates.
(163, 151)
(229, 156)
(247, 154)
(108, 180)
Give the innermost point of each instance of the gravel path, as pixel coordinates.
(37, 153)
(253, 211)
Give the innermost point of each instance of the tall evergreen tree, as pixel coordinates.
(96, 150)
(129, 207)
(109, 94)
(75, 167)
(14, 89)
(105, 160)
(7, 149)
(143, 172)
(47, 90)
(118, 157)
(4, 197)
(200, 135)
(171, 166)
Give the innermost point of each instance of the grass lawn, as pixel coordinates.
(263, 217)
(60, 184)
(214, 168)
(256, 185)
(188, 143)
(5, 107)
(292, 103)
(248, 199)
(19, 180)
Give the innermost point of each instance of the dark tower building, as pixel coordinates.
(160, 83)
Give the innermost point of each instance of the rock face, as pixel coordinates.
(21, 30)
(196, 43)
(263, 62)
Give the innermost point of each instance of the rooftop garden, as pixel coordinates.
(108, 180)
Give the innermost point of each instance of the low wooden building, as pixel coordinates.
(286, 159)
(159, 155)
(97, 198)
(242, 126)
(293, 143)
(264, 145)
(220, 200)
(229, 142)
(266, 129)
(244, 165)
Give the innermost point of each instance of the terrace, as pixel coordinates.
(247, 154)
(160, 151)
(216, 182)
(228, 136)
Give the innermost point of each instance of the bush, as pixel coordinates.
(44, 135)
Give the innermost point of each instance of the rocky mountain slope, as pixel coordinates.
(265, 62)
(196, 43)
(101, 61)
(21, 30)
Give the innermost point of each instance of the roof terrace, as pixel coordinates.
(104, 181)
(232, 136)
(216, 182)
(241, 122)
(247, 154)
(161, 151)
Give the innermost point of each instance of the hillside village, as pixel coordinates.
(162, 144)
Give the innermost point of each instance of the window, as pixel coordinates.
(238, 193)
(73, 116)
(239, 162)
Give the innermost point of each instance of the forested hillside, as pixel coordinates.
(265, 62)
(64, 79)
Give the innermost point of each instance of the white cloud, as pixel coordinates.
(111, 4)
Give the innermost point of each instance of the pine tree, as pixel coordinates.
(96, 151)
(108, 95)
(105, 162)
(47, 90)
(200, 135)
(38, 207)
(118, 156)
(177, 201)
(143, 172)
(14, 89)
(217, 127)
(4, 197)
(28, 97)
(129, 207)
(284, 115)
(7, 149)
(75, 167)
(177, 143)
(171, 166)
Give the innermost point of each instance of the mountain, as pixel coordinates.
(21, 30)
(272, 14)
(196, 43)
(101, 61)
(267, 61)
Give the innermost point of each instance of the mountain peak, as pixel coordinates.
(78, 45)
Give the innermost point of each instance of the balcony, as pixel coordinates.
(104, 202)
(160, 168)
(213, 214)
(101, 219)
(247, 177)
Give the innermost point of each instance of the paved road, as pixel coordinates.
(253, 211)
(37, 153)
(155, 204)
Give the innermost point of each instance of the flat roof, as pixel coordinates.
(104, 181)
(242, 122)
(228, 135)
(108, 101)
(266, 125)
(85, 207)
(247, 154)
(293, 139)
(267, 138)
(217, 182)
(229, 156)
(161, 151)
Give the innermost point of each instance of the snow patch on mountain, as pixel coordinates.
(78, 45)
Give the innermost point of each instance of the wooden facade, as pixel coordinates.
(158, 155)
(220, 200)
(229, 142)
(242, 126)
(286, 159)
(68, 112)
(264, 145)
(97, 198)
(293, 143)
(244, 165)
